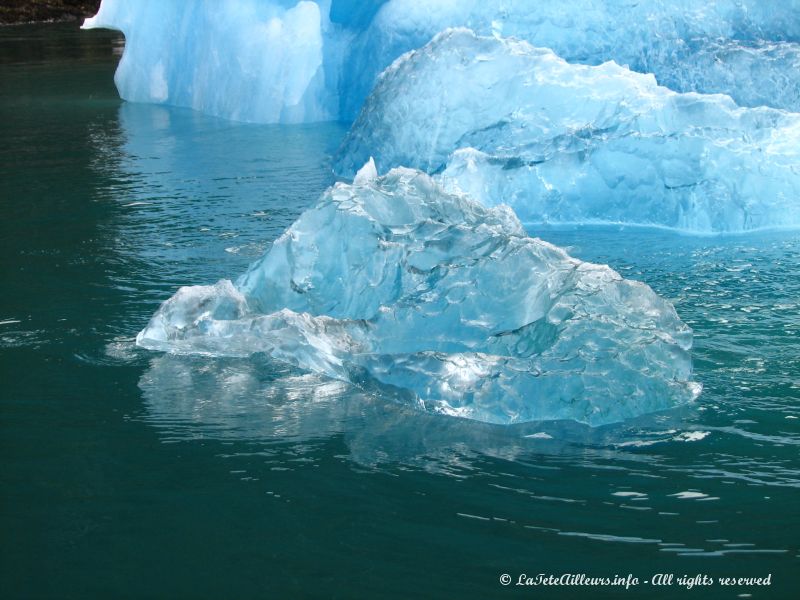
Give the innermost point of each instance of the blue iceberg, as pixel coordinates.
(258, 61)
(435, 300)
(562, 143)
(284, 61)
(747, 49)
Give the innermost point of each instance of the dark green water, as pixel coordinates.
(126, 473)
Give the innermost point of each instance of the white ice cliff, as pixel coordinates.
(395, 285)
(286, 61)
(562, 143)
(259, 61)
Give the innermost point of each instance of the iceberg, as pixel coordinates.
(758, 73)
(747, 49)
(282, 61)
(506, 122)
(257, 61)
(438, 302)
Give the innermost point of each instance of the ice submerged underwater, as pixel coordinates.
(417, 281)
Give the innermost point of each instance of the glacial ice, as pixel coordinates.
(395, 285)
(259, 61)
(561, 143)
(747, 49)
(286, 61)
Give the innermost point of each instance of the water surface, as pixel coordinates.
(128, 473)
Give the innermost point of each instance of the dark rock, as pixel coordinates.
(31, 11)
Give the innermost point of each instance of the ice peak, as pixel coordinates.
(366, 173)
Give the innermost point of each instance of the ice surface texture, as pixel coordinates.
(395, 285)
(252, 60)
(563, 143)
(284, 61)
(745, 48)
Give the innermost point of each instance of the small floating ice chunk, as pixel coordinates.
(689, 495)
(691, 436)
(540, 436)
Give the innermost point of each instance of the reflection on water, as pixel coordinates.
(564, 473)
(223, 189)
(261, 400)
(200, 198)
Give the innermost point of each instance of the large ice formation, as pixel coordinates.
(289, 61)
(745, 48)
(395, 285)
(252, 60)
(563, 143)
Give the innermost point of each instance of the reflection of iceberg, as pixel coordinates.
(258, 400)
(251, 398)
(196, 198)
(226, 189)
(439, 301)
(569, 143)
(287, 61)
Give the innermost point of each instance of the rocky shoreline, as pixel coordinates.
(13, 12)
